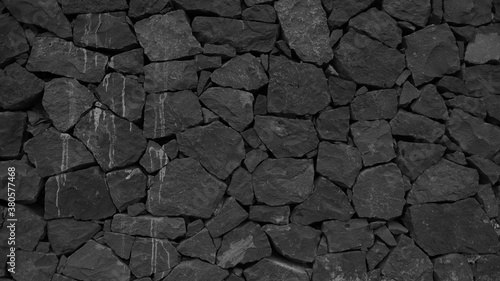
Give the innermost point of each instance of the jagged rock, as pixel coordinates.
(113, 141)
(467, 12)
(27, 181)
(283, 181)
(486, 197)
(199, 246)
(106, 31)
(67, 235)
(167, 37)
(488, 170)
(154, 158)
(341, 91)
(241, 186)
(294, 241)
(326, 202)
(207, 63)
(263, 13)
(151, 256)
(29, 228)
(408, 94)
(452, 266)
(222, 8)
(415, 158)
(350, 235)
(121, 244)
(341, 266)
(143, 8)
(333, 124)
(123, 95)
(482, 49)
(305, 29)
(268, 214)
(286, 137)
(473, 134)
(46, 14)
(149, 226)
(416, 126)
(445, 181)
(136, 209)
(126, 186)
(385, 235)
(379, 192)
(196, 270)
(128, 62)
(254, 158)
(460, 227)
(56, 56)
(378, 25)
(276, 269)
(374, 141)
(234, 106)
(244, 36)
(452, 84)
(34, 266)
(170, 76)
(481, 80)
(194, 227)
(376, 254)
(342, 10)
(230, 215)
(92, 6)
(241, 72)
(52, 153)
(65, 100)
(94, 261)
(487, 268)
(474, 106)
(19, 89)
(11, 133)
(170, 113)
(407, 262)
(431, 53)
(244, 244)
(199, 196)
(296, 88)
(430, 104)
(82, 194)
(223, 50)
(415, 12)
(339, 162)
(13, 39)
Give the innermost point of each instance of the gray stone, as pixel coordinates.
(276, 269)
(482, 80)
(452, 266)
(374, 105)
(353, 234)
(121, 244)
(412, 125)
(269, 214)
(467, 12)
(376, 254)
(196, 270)
(263, 13)
(374, 141)
(222, 8)
(149, 226)
(34, 266)
(414, 158)
(154, 158)
(487, 268)
(241, 186)
(92, 6)
(474, 106)
(430, 104)
(139, 9)
(170, 76)
(378, 25)
(229, 216)
(241, 72)
(19, 89)
(415, 12)
(199, 246)
(339, 162)
(11, 133)
(14, 41)
(488, 170)
(342, 10)
(333, 124)
(341, 91)
(126, 186)
(67, 235)
(254, 158)
(128, 62)
(341, 266)
(151, 256)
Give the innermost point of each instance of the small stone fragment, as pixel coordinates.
(374, 141)
(341, 266)
(194, 227)
(276, 269)
(199, 246)
(268, 214)
(126, 186)
(333, 124)
(170, 76)
(230, 215)
(385, 235)
(376, 254)
(452, 266)
(241, 186)
(241, 72)
(149, 226)
(339, 162)
(416, 126)
(482, 49)
(350, 235)
(415, 158)
(13, 40)
(196, 270)
(19, 89)
(150, 256)
(254, 158)
(467, 12)
(430, 104)
(154, 158)
(341, 91)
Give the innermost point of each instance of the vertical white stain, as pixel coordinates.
(72, 110)
(61, 178)
(112, 139)
(84, 60)
(123, 96)
(97, 112)
(87, 29)
(161, 115)
(154, 252)
(105, 82)
(96, 37)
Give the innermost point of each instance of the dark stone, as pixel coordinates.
(19, 89)
(379, 192)
(341, 266)
(34, 266)
(151, 256)
(169, 113)
(128, 62)
(474, 106)
(349, 235)
(59, 57)
(294, 241)
(82, 194)
(339, 162)
(126, 186)
(205, 62)
(268, 214)
(326, 202)
(374, 141)
(488, 170)
(378, 25)
(473, 134)
(203, 81)
(65, 101)
(194, 227)
(251, 138)
(199, 196)
(149, 226)
(167, 37)
(487, 268)
(481, 80)
(144, 8)
(482, 49)
(222, 8)
(94, 261)
(341, 90)
(376, 254)
(121, 244)
(46, 14)
(244, 36)
(263, 13)
(333, 124)
(460, 227)
(67, 235)
(123, 95)
(92, 6)
(415, 158)
(170, 76)
(14, 41)
(342, 10)
(52, 153)
(407, 262)
(486, 197)
(415, 12)
(136, 209)
(242, 245)
(276, 268)
(209, 116)
(305, 29)
(431, 53)
(199, 246)
(430, 104)
(113, 141)
(229, 216)
(218, 148)
(385, 235)
(476, 12)
(452, 266)
(241, 186)
(286, 137)
(254, 158)
(11, 133)
(412, 125)
(241, 72)
(27, 182)
(296, 88)
(366, 61)
(452, 84)
(196, 270)
(155, 157)
(283, 181)
(225, 51)
(260, 105)
(29, 228)
(234, 106)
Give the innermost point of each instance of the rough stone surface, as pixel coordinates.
(333, 124)
(476, 12)
(196, 270)
(353, 234)
(241, 72)
(415, 158)
(263, 13)
(149, 226)
(128, 62)
(267, 214)
(11, 137)
(329, 157)
(482, 48)
(223, 8)
(199, 246)
(92, 6)
(341, 266)
(487, 268)
(13, 40)
(452, 266)
(35, 265)
(229, 216)
(430, 104)
(375, 105)
(342, 10)
(415, 12)
(374, 141)
(341, 91)
(28, 181)
(155, 157)
(170, 76)
(121, 244)
(378, 25)
(412, 125)
(19, 88)
(152, 256)
(126, 186)
(276, 269)
(241, 186)
(67, 235)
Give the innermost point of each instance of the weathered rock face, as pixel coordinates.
(199, 246)
(295, 88)
(92, 6)
(170, 76)
(342, 10)
(354, 234)
(375, 105)
(121, 244)
(430, 104)
(242, 72)
(465, 12)
(128, 62)
(18, 88)
(268, 214)
(149, 226)
(263, 13)
(223, 8)
(415, 158)
(329, 157)
(15, 41)
(229, 216)
(416, 12)
(374, 140)
(11, 138)
(67, 235)
(28, 181)
(35, 265)
(416, 126)
(452, 266)
(378, 25)
(197, 270)
(341, 266)
(333, 124)
(276, 269)
(126, 186)
(152, 256)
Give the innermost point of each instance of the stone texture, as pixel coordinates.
(126, 186)
(139, 9)
(223, 8)
(353, 234)
(415, 12)
(481, 80)
(149, 226)
(35, 266)
(415, 158)
(92, 6)
(487, 268)
(474, 106)
(488, 170)
(452, 266)
(170, 76)
(430, 104)
(339, 162)
(196, 270)
(342, 10)
(229, 216)
(341, 91)
(374, 141)
(475, 12)
(167, 37)
(19, 89)
(241, 186)
(11, 133)
(341, 266)
(276, 269)
(412, 125)
(267, 214)
(378, 25)
(283, 181)
(128, 62)
(13, 40)
(27, 181)
(376, 254)
(199, 246)
(151, 256)
(333, 124)
(154, 158)
(242, 72)
(254, 158)
(262, 13)
(67, 235)
(482, 48)
(121, 244)
(296, 88)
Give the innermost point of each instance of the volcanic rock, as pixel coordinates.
(222, 8)
(241, 72)
(415, 12)
(196, 270)
(339, 162)
(430, 104)
(276, 269)
(154, 158)
(415, 158)
(149, 226)
(241, 186)
(170, 76)
(467, 12)
(19, 89)
(416, 126)
(126, 186)
(11, 133)
(294, 241)
(230, 215)
(378, 25)
(150, 256)
(268, 214)
(374, 141)
(14, 42)
(481, 80)
(35, 266)
(488, 170)
(474, 106)
(342, 10)
(341, 91)
(67, 235)
(199, 246)
(350, 235)
(452, 266)
(333, 124)
(341, 266)
(376, 254)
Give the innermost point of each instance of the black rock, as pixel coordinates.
(374, 141)
(378, 25)
(241, 186)
(342, 91)
(121, 244)
(342, 10)
(126, 186)
(333, 124)
(254, 158)
(430, 104)
(27, 182)
(229, 216)
(67, 235)
(416, 126)
(151, 256)
(481, 80)
(196, 270)
(268, 214)
(487, 268)
(415, 158)
(19, 89)
(128, 62)
(452, 266)
(241, 72)
(276, 269)
(416, 12)
(263, 13)
(339, 162)
(465, 12)
(92, 6)
(341, 266)
(14, 43)
(482, 49)
(155, 157)
(11, 133)
(149, 226)
(170, 76)
(199, 246)
(349, 235)
(475, 106)
(34, 266)
(222, 8)
(376, 254)
(488, 170)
